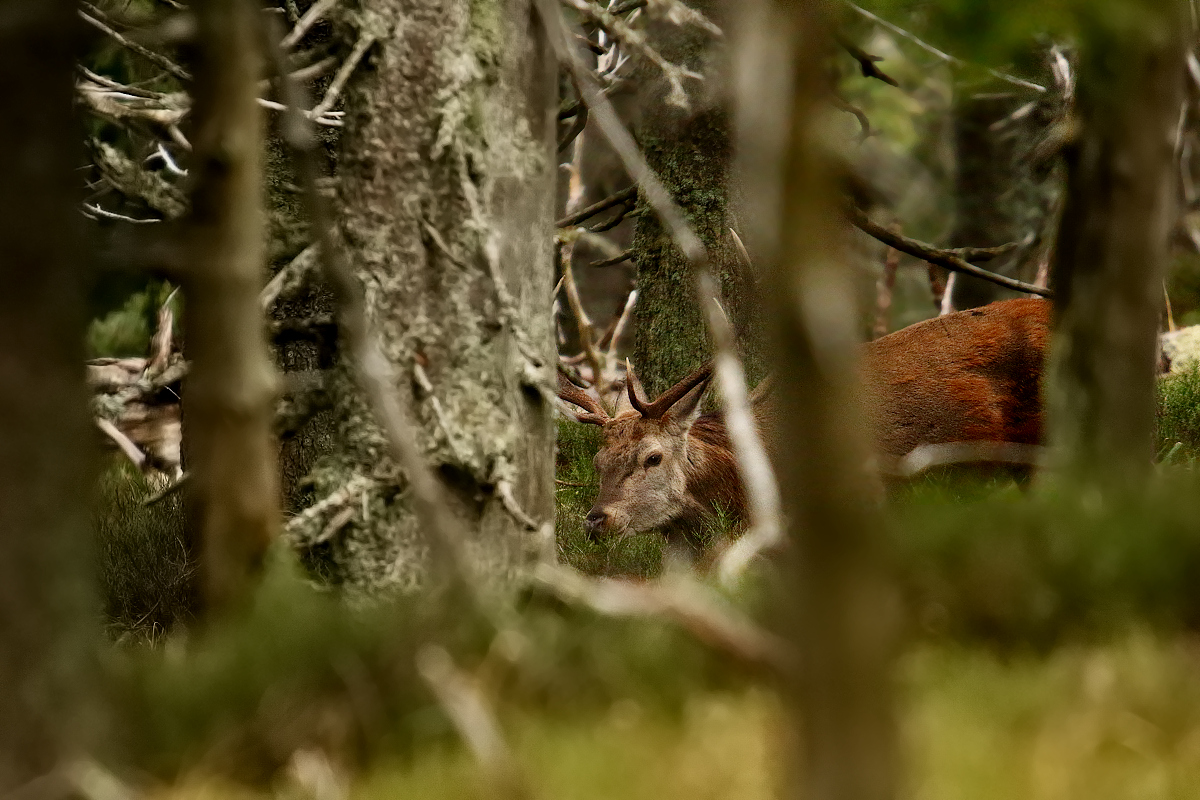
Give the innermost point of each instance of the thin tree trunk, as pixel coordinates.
(842, 610)
(46, 455)
(1112, 244)
(997, 197)
(230, 390)
(447, 190)
(690, 150)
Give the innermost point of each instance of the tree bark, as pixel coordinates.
(46, 456)
(841, 610)
(691, 151)
(1112, 244)
(447, 191)
(230, 390)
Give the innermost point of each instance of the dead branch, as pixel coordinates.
(949, 59)
(365, 40)
(310, 18)
(619, 258)
(145, 52)
(953, 260)
(623, 197)
(123, 442)
(684, 601)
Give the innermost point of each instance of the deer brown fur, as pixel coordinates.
(974, 376)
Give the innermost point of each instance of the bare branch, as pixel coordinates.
(685, 601)
(310, 18)
(365, 40)
(949, 59)
(866, 62)
(623, 197)
(123, 442)
(143, 51)
(953, 260)
(619, 258)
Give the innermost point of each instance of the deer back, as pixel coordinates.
(965, 377)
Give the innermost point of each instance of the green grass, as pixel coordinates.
(144, 568)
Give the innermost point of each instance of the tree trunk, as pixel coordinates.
(1112, 245)
(691, 150)
(841, 611)
(998, 197)
(230, 389)
(46, 455)
(447, 191)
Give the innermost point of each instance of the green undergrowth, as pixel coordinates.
(1042, 565)
(302, 668)
(1102, 721)
(1179, 415)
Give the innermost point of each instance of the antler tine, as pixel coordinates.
(595, 413)
(637, 395)
(676, 393)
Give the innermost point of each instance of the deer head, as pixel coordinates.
(644, 462)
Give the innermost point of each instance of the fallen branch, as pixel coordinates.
(954, 260)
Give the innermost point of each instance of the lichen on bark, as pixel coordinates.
(445, 186)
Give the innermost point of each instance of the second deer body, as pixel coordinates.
(974, 376)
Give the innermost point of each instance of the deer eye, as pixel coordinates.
(654, 459)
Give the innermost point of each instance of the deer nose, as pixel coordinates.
(595, 522)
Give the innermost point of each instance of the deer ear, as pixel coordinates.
(686, 410)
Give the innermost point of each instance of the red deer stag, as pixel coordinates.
(974, 376)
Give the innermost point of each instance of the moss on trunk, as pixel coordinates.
(691, 150)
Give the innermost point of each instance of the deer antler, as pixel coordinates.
(595, 413)
(668, 398)
(633, 388)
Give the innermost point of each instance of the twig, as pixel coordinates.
(365, 40)
(143, 51)
(866, 62)
(310, 18)
(625, 196)
(953, 260)
(748, 448)
(685, 601)
(949, 59)
(375, 374)
(620, 257)
(94, 211)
